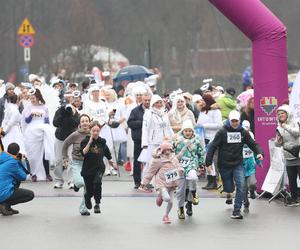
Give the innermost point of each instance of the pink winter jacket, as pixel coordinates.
(159, 165)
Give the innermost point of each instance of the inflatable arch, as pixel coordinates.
(269, 62)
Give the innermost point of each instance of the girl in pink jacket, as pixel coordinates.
(164, 166)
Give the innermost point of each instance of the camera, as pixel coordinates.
(69, 108)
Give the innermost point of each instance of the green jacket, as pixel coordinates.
(227, 103)
(189, 152)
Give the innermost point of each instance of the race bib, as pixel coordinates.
(234, 137)
(184, 162)
(247, 153)
(172, 175)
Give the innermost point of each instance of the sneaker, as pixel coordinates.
(246, 209)
(136, 186)
(166, 219)
(150, 186)
(114, 172)
(180, 212)
(236, 215)
(5, 211)
(86, 213)
(195, 200)
(88, 202)
(107, 174)
(97, 209)
(34, 178)
(228, 201)
(70, 185)
(49, 177)
(13, 210)
(189, 208)
(159, 200)
(75, 188)
(252, 194)
(292, 203)
(58, 185)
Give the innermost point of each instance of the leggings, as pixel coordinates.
(93, 186)
(167, 196)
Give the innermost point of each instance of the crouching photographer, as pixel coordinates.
(12, 172)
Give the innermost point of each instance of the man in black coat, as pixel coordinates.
(135, 123)
(230, 141)
(66, 121)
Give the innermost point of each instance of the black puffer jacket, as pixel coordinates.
(135, 122)
(230, 143)
(65, 122)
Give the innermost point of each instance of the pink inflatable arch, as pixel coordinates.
(269, 62)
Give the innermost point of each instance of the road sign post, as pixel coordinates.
(26, 32)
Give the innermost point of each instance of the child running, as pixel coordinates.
(93, 149)
(249, 162)
(165, 167)
(189, 151)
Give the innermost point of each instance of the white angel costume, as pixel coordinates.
(12, 127)
(39, 138)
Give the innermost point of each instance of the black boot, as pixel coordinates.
(209, 179)
(213, 185)
(189, 208)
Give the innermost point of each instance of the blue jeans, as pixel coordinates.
(232, 177)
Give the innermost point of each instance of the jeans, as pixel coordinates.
(78, 181)
(293, 172)
(137, 170)
(231, 176)
(20, 195)
(122, 154)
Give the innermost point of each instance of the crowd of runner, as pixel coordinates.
(92, 129)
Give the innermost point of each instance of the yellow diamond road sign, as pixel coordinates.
(26, 28)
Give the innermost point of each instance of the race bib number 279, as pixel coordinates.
(172, 175)
(234, 137)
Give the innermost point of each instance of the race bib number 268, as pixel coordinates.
(234, 137)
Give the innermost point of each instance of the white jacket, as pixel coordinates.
(155, 128)
(211, 122)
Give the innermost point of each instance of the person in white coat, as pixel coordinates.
(210, 118)
(11, 124)
(38, 137)
(156, 129)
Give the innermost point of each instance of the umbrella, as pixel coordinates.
(132, 73)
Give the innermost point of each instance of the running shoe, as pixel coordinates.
(236, 215)
(166, 219)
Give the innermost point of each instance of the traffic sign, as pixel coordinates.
(26, 28)
(26, 54)
(26, 41)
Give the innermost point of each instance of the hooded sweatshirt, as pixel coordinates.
(230, 143)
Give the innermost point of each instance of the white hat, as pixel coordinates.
(246, 125)
(187, 124)
(154, 99)
(220, 88)
(197, 98)
(151, 80)
(139, 90)
(94, 87)
(9, 85)
(33, 77)
(285, 108)
(105, 73)
(234, 115)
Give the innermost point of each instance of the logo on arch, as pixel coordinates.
(268, 104)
